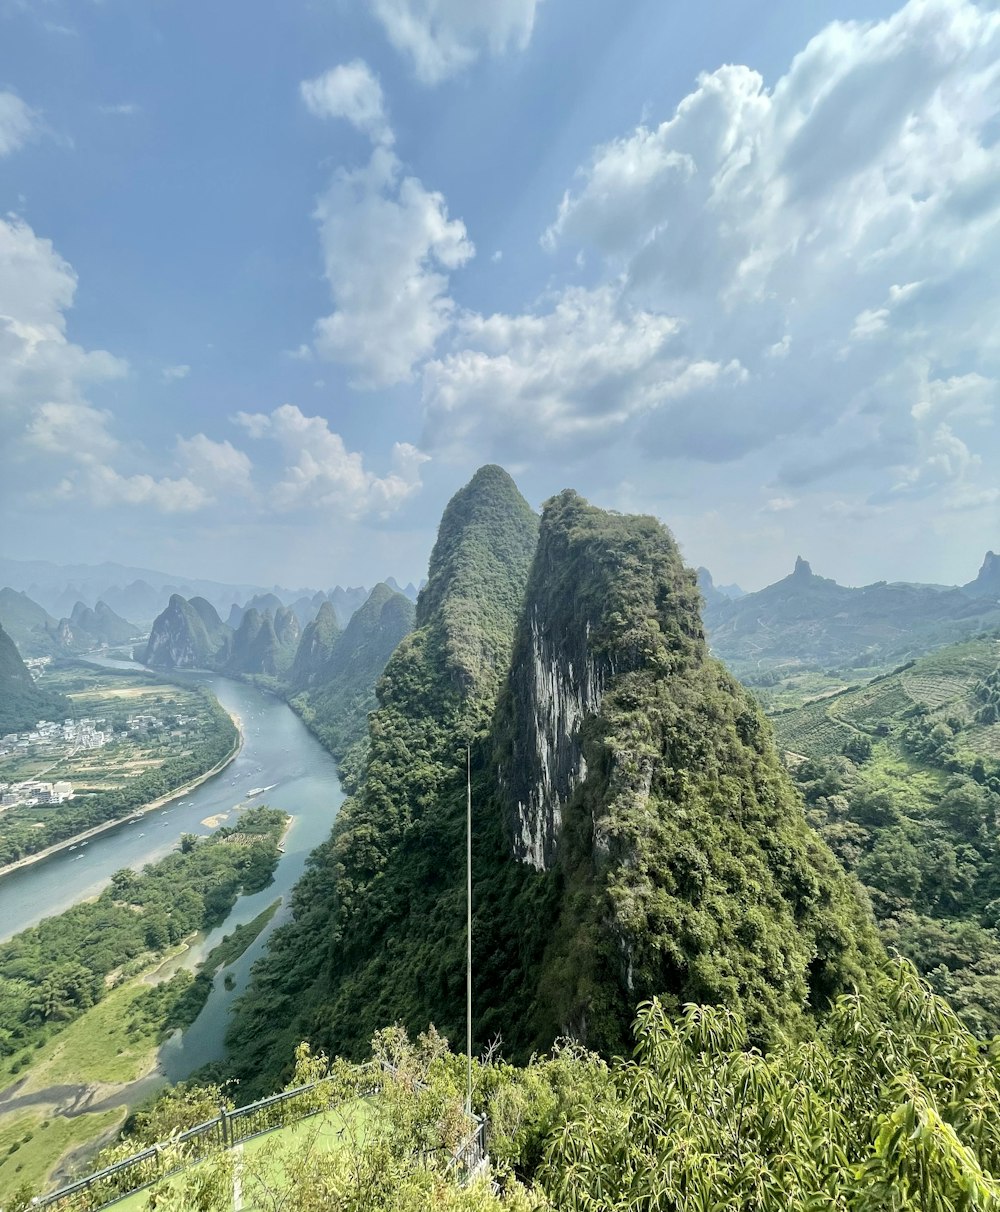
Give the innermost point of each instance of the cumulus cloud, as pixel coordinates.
(568, 376)
(443, 37)
(215, 465)
(388, 245)
(350, 91)
(44, 377)
(18, 123)
(105, 487)
(320, 472)
(830, 235)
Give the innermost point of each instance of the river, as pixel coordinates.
(278, 753)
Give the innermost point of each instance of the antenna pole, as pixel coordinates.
(468, 927)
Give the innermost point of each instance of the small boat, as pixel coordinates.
(142, 835)
(72, 847)
(82, 844)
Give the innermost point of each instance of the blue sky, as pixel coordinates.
(275, 279)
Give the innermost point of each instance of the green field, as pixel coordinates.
(266, 1164)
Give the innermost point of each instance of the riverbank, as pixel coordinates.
(67, 843)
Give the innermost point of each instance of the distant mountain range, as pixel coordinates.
(809, 619)
(304, 645)
(142, 593)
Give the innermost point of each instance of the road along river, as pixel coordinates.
(280, 755)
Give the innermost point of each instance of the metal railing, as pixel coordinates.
(168, 1157)
(227, 1129)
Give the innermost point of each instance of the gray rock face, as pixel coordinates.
(556, 683)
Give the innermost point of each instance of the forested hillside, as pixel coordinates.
(902, 778)
(22, 703)
(334, 675)
(635, 831)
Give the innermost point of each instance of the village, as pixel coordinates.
(55, 741)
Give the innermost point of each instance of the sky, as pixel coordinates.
(275, 279)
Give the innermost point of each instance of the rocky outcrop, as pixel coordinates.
(187, 635)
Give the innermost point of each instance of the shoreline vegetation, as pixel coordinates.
(96, 830)
(85, 1040)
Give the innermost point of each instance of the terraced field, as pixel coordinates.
(939, 685)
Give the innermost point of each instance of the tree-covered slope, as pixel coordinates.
(315, 649)
(29, 625)
(902, 778)
(339, 670)
(22, 703)
(328, 974)
(187, 635)
(641, 782)
(635, 832)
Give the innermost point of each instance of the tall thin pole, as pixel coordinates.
(468, 927)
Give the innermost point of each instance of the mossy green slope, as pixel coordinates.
(642, 782)
(340, 670)
(22, 703)
(332, 973)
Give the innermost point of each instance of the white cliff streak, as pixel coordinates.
(560, 694)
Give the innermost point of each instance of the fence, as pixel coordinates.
(158, 1161)
(227, 1129)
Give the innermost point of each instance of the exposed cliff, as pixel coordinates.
(187, 635)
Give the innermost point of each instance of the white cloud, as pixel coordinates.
(44, 376)
(779, 505)
(124, 109)
(171, 374)
(105, 488)
(570, 376)
(859, 197)
(76, 430)
(320, 472)
(388, 245)
(350, 91)
(215, 465)
(443, 37)
(18, 123)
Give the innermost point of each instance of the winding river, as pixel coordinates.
(300, 777)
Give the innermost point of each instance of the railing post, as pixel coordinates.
(224, 1120)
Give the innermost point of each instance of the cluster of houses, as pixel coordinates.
(34, 792)
(79, 734)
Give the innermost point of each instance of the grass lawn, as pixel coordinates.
(31, 1145)
(97, 1046)
(268, 1160)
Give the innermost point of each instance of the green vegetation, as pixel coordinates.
(22, 703)
(902, 779)
(662, 847)
(807, 625)
(29, 625)
(338, 671)
(33, 1144)
(193, 735)
(57, 970)
(893, 1106)
(399, 830)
